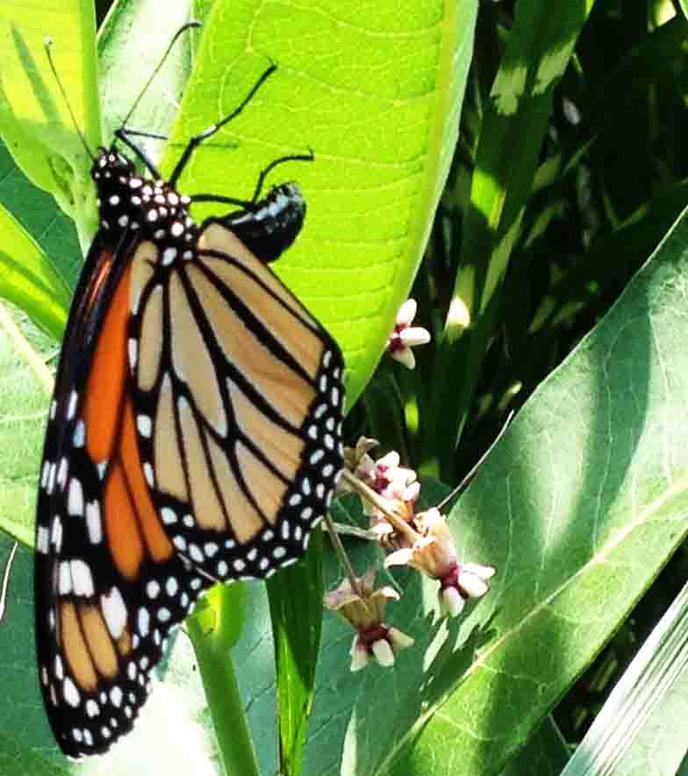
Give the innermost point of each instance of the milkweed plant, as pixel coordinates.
(496, 237)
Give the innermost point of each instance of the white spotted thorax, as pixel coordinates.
(150, 209)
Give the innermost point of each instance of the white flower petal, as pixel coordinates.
(484, 572)
(472, 584)
(451, 601)
(399, 640)
(404, 356)
(359, 656)
(399, 558)
(382, 652)
(389, 461)
(414, 335)
(407, 312)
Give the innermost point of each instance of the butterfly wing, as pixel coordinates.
(238, 396)
(108, 583)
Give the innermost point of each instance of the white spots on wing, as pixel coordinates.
(169, 255)
(93, 522)
(79, 434)
(53, 409)
(92, 709)
(149, 474)
(75, 499)
(133, 348)
(71, 404)
(102, 468)
(306, 513)
(210, 549)
(279, 552)
(179, 542)
(42, 538)
(56, 533)
(188, 520)
(195, 553)
(168, 516)
(114, 612)
(59, 667)
(238, 564)
(164, 614)
(62, 472)
(70, 693)
(177, 229)
(171, 586)
(64, 578)
(144, 425)
(316, 456)
(222, 568)
(123, 220)
(82, 579)
(143, 621)
(50, 485)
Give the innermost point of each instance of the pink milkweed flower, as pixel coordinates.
(434, 553)
(363, 607)
(404, 336)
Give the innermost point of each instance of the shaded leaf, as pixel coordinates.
(28, 278)
(296, 611)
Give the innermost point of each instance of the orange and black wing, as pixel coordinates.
(238, 401)
(108, 582)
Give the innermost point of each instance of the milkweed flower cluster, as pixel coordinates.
(404, 336)
(419, 540)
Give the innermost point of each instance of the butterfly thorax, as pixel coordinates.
(129, 203)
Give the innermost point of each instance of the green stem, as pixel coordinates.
(213, 628)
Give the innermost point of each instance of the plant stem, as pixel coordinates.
(213, 629)
(343, 558)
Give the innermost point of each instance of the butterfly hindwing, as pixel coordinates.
(238, 412)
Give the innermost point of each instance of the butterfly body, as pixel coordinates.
(194, 436)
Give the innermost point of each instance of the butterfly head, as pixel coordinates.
(128, 202)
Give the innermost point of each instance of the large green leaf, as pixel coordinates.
(34, 117)
(374, 88)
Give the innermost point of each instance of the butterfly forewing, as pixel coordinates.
(109, 584)
(238, 398)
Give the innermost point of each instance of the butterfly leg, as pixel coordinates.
(196, 140)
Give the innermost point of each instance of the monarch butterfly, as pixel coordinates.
(193, 436)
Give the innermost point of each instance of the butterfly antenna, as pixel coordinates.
(48, 43)
(475, 467)
(188, 26)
